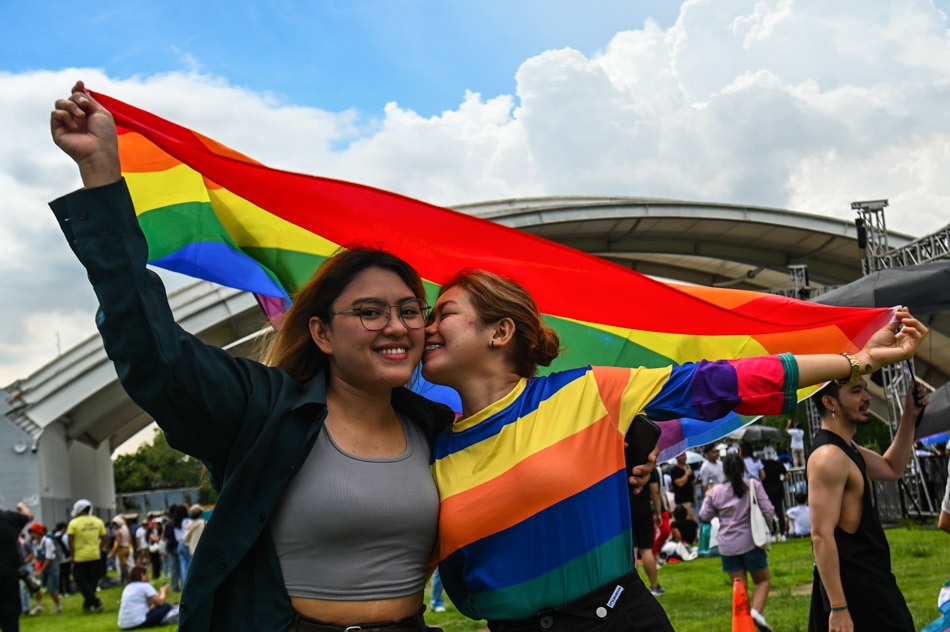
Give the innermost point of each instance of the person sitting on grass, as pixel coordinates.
(141, 605)
(682, 528)
(799, 520)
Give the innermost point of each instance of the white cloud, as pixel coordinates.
(806, 105)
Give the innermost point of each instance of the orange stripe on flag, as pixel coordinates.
(538, 482)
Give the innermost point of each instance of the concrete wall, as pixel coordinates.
(52, 477)
(19, 468)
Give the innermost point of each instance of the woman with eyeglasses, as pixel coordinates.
(327, 512)
(535, 528)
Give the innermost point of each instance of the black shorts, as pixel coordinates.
(643, 529)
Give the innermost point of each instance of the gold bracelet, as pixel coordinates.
(855, 371)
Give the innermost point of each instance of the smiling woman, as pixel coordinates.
(327, 512)
(540, 460)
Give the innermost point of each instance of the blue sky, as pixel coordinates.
(336, 55)
(795, 104)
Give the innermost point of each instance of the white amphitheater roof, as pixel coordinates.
(702, 243)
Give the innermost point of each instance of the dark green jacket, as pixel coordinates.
(251, 425)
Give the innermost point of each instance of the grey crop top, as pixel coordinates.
(353, 528)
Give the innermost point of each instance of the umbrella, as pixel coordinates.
(756, 432)
(691, 458)
(942, 437)
(937, 414)
(925, 288)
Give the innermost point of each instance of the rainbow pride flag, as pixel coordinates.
(212, 213)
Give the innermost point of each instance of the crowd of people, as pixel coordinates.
(74, 557)
(336, 483)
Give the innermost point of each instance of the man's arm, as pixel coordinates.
(891, 465)
(828, 470)
(675, 534)
(682, 480)
(19, 518)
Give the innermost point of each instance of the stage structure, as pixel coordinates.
(871, 223)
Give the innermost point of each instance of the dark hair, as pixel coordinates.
(178, 515)
(801, 497)
(745, 449)
(831, 389)
(495, 297)
(138, 574)
(680, 513)
(291, 348)
(734, 468)
(709, 448)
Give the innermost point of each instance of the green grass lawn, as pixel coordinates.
(698, 597)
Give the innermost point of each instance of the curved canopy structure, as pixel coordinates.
(701, 243)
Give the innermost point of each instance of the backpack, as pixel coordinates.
(62, 554)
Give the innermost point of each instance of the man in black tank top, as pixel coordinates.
(854, 588)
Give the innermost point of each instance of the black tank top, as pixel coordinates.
(864, 561)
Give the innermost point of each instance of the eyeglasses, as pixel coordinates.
(374, 315)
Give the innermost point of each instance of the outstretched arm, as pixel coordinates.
(895, 342)
(86, 132)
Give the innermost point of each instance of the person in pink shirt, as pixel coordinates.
(740, 556)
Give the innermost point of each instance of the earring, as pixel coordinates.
(492, 344)
(832, 413)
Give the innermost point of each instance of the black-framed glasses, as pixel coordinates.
(375, 314)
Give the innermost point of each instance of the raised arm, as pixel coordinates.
(19, 518)
(199, 394)
(86, 132)
(891, 465)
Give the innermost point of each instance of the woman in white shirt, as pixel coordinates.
(141, 605)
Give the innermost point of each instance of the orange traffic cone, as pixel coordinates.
(741, 612)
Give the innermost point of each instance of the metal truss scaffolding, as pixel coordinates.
(915, 500)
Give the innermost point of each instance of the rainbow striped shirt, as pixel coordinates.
(535, 510)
